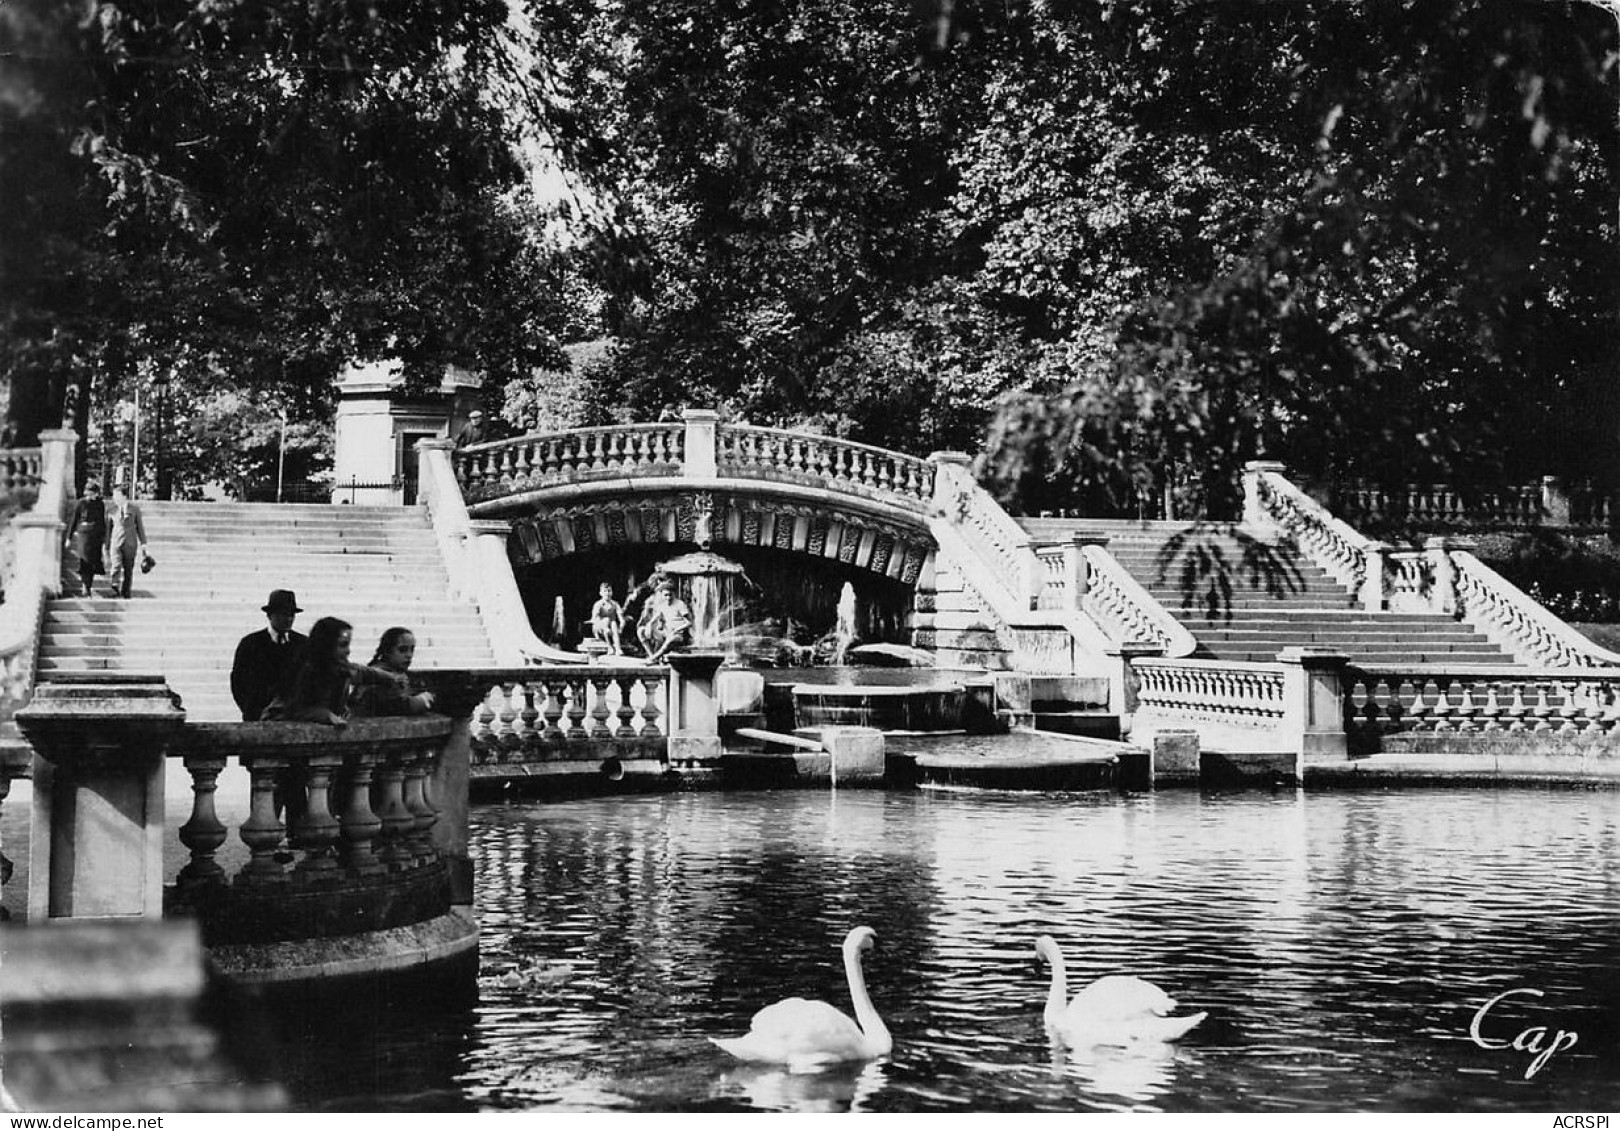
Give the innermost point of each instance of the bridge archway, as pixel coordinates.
(797, 555)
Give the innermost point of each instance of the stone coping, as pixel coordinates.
(296, 738)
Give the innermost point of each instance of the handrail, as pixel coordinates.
(830, 461)
(1114, 596)
(475, 558)
(21, 468)
(545, 459)
(1512, 620)
(1329, 542)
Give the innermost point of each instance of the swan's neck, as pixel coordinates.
(872, 1027)
(1057, 998)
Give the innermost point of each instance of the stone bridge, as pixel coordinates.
(702, 480)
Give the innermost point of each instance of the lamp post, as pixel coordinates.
(160, 385)
(281, 453)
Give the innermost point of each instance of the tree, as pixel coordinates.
(263, 193)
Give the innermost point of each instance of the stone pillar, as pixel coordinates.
(1122, 680)
(952, 470)
(1255, 516)
(1176, 758)
(1313, 705)
(1074, 562)
(1438, 549)
(1554, 501)
(1374, 594)
(694, 708)
(97, 836)
(701, 426)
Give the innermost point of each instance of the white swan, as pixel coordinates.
(1115, 1010)
(806, 1035)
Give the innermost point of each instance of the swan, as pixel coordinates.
(807, 1035)
(1115, 1010)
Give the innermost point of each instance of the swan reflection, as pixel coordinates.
(1139, 1073)
(840, 1088)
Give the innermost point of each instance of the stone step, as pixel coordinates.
(1392, 658)
(1086, 724)
(969, 639)
(1373, 634)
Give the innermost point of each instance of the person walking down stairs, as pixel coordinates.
(126, 540)
(87, 534)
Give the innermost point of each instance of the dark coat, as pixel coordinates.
(264, 669)
(87, 533)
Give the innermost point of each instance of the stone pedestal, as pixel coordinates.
(1176, 757)
(856, 752)
(98, 823)
(694, 709)
(1313, 696)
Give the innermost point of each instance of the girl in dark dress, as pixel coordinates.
(320, 691)
(87, 534)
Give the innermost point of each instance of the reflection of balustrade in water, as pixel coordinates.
(340, 829)
(565, 713)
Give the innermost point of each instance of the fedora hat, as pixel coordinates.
(282, 601)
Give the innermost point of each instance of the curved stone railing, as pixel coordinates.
(1269, 498)
(532, 716)
(1479, 700)
(1219, 692)
(340, 829)
(993, 538)
(552, 459)
(475, 557)
(21, 468)
(751, 452)
(1503, 612)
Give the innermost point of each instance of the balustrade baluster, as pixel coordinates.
(398, 822)
(314, 830)
(418, 764)
(1569, 712)
(528, 716)
(650, 711)
(627, 710)
(262, 831)
(577, 710)
(360, 825)
(555, 691)
(506, 736)
(600, 711)
(204, 832)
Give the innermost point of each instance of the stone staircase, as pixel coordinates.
(1246, 600)
(217, 563)
(948, 620)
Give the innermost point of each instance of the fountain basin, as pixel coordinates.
(936, 707)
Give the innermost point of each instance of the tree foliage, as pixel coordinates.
(1146, 240)
(255, 194)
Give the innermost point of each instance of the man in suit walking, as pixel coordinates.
(267, 660)
(126, 537)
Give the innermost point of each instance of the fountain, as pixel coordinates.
(844, 629)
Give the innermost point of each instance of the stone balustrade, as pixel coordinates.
(37, 573)
(1439, 506)
(531, 717)
(992, 535)
(21, 469)
(1126, 610)
(1480, 700)
(550, 459)
(1500, 610)
(745, 451)
(1352, 559)
(1213, 691)
(340, 829)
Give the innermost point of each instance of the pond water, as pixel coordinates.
(1341, 942)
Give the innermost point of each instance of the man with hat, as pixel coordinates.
(267, 660)
(475, 431)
